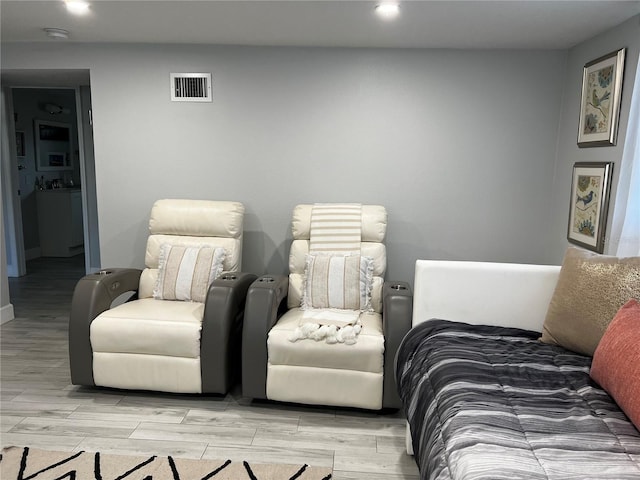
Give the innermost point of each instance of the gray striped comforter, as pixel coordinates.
(491, 403)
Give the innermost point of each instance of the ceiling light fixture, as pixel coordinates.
(57, 33)
(387, 10)
(77, 7)
(53, 109)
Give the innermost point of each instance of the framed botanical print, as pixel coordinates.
(589, 204)
(600, 101)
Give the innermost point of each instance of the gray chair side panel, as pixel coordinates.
(397, 305)
(93, 295)
(222, 331)
(262, 309)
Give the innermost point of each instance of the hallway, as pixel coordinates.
(46, 290)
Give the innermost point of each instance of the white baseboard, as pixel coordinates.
(6, 314)
(32, 253)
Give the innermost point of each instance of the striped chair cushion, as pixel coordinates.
(185, 273)
(338, 281)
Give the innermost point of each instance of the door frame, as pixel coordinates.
(13, 220)
(12, 208)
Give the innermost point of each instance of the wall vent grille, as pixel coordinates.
(191, 87)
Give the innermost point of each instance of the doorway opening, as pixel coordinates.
(49, 192)
(49, 180)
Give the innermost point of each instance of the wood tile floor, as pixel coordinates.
(40, 407)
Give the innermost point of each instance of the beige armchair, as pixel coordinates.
(181, 330)
(327, 333)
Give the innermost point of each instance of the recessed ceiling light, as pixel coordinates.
(77, 7)
(387, 9)
(57, 33)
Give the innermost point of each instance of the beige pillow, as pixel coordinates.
(338, 281)
(185, 273)
(591, 288)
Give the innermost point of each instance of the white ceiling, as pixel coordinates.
(515, 24)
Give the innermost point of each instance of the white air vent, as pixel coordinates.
(191, 87)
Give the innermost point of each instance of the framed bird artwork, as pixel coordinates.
(589, 204)
(600, 103)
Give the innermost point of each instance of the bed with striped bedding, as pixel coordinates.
(494, 403)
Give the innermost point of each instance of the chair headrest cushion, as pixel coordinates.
(374, 223)
(197, 218)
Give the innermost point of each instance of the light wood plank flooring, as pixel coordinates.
(40, 407)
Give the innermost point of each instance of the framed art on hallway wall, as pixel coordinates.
(600, 101)
(53, 145)
(590, 189)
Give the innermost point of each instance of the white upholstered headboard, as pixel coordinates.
(504, 294)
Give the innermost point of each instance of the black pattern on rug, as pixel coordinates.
(147, 468)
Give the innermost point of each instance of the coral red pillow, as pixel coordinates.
(616, 361)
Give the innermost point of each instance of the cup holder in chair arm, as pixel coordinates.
(397, 288)
(114, 281)
(397, 306)
(278, 283)
(94, 293)
(230, 278)
(229, 285)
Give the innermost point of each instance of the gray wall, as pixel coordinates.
(625, 35)
(458, 145)
(442, 139)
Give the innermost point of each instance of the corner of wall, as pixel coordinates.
(625, 35)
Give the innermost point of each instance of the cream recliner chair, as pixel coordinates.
(280, 363)
(176, 334)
